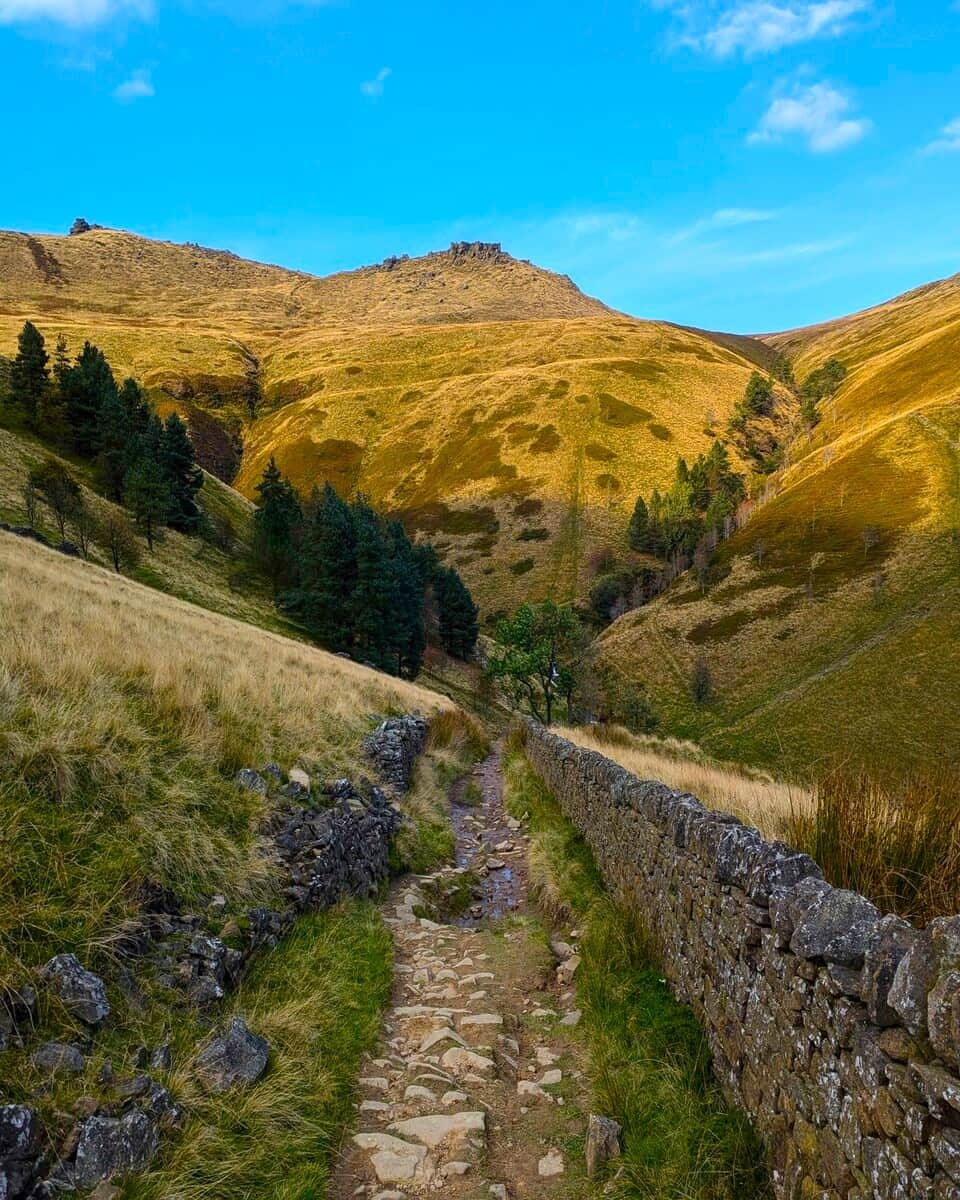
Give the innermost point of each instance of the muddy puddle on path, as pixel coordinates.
(488, 842)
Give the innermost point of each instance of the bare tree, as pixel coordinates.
(83, 524)
(759, 551)
(116, 535)
(31, 503)
(871, 539)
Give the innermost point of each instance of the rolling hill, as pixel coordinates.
(489, 402)
(832, 619)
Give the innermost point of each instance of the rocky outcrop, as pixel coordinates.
(836, 1028)
(393, 748)
(20, 1148)
(478, 252)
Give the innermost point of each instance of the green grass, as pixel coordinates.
(649, 1061)
(317, 999)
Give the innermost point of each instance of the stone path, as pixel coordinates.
(476, 1090)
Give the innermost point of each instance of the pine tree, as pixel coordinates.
(115, 443)
(276, 525)
(328, 570)
(457, 614)
(61, 360)
(373, 596)
(408, 633)
(148, 496)
(638, 530)
(86, 387)
(29, 377)
(178, 463)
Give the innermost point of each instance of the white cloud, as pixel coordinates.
(751, 27)
(723, 218)
(949, 140)
(374, 87)
(69, 12)
(137, 87)
(818, 114)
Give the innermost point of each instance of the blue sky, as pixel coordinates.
(735, 164)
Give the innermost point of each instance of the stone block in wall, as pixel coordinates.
(836, 927)
(887, 945)
(912, 982)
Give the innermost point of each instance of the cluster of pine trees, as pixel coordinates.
(700, 500)
(140, 461)
(355, 580)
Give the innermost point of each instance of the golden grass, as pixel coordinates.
(438, 385)
(125, 716)
(757, 799)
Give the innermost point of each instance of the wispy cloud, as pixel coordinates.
(948, 142)
(723, 218)
(77, 13)
(754, 27)
(818, 114)
(138, 87)
(374, 87)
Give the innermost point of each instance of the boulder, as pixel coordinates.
(20, 1149)
(83, 993)
(110, 1146)
(235, 1058)
(603, 1142)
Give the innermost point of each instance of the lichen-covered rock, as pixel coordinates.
(912, 982)
(251, 781)
(836, 928)
(235, 1058)
(83, 993)
(112, 1146)
(393, 748)
(20, 1149)
(603, 1142)
(889, 942)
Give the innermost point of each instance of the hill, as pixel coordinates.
(832, 616)
(487, 401)
(130, 842)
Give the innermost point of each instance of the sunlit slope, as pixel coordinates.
(518, 446)
(833, 622)
(490, 402)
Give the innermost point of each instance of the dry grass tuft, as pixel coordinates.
(899, 847)
(756, 798)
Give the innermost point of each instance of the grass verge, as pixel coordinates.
(317, 999)
(649, 1061)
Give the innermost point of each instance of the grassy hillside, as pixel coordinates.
(125, 715)
(831, 620)
(489, 401)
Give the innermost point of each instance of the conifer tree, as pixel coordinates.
(86, 387)
(276, 524)
(29, 377)
(373, 596)
(638, 530)
(178, 464)
(148, 496)
(116, 445)
(457, 614)
(323, 598)
(408, 633)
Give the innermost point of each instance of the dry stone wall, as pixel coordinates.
(836, 1028)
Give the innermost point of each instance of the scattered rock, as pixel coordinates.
(567, 970)
(603, 1142)
(551, 1164)
(251, 781)
(83, 993)
(236, 1058)
(57, 1057)
(441, 1129)
(110, 1146)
